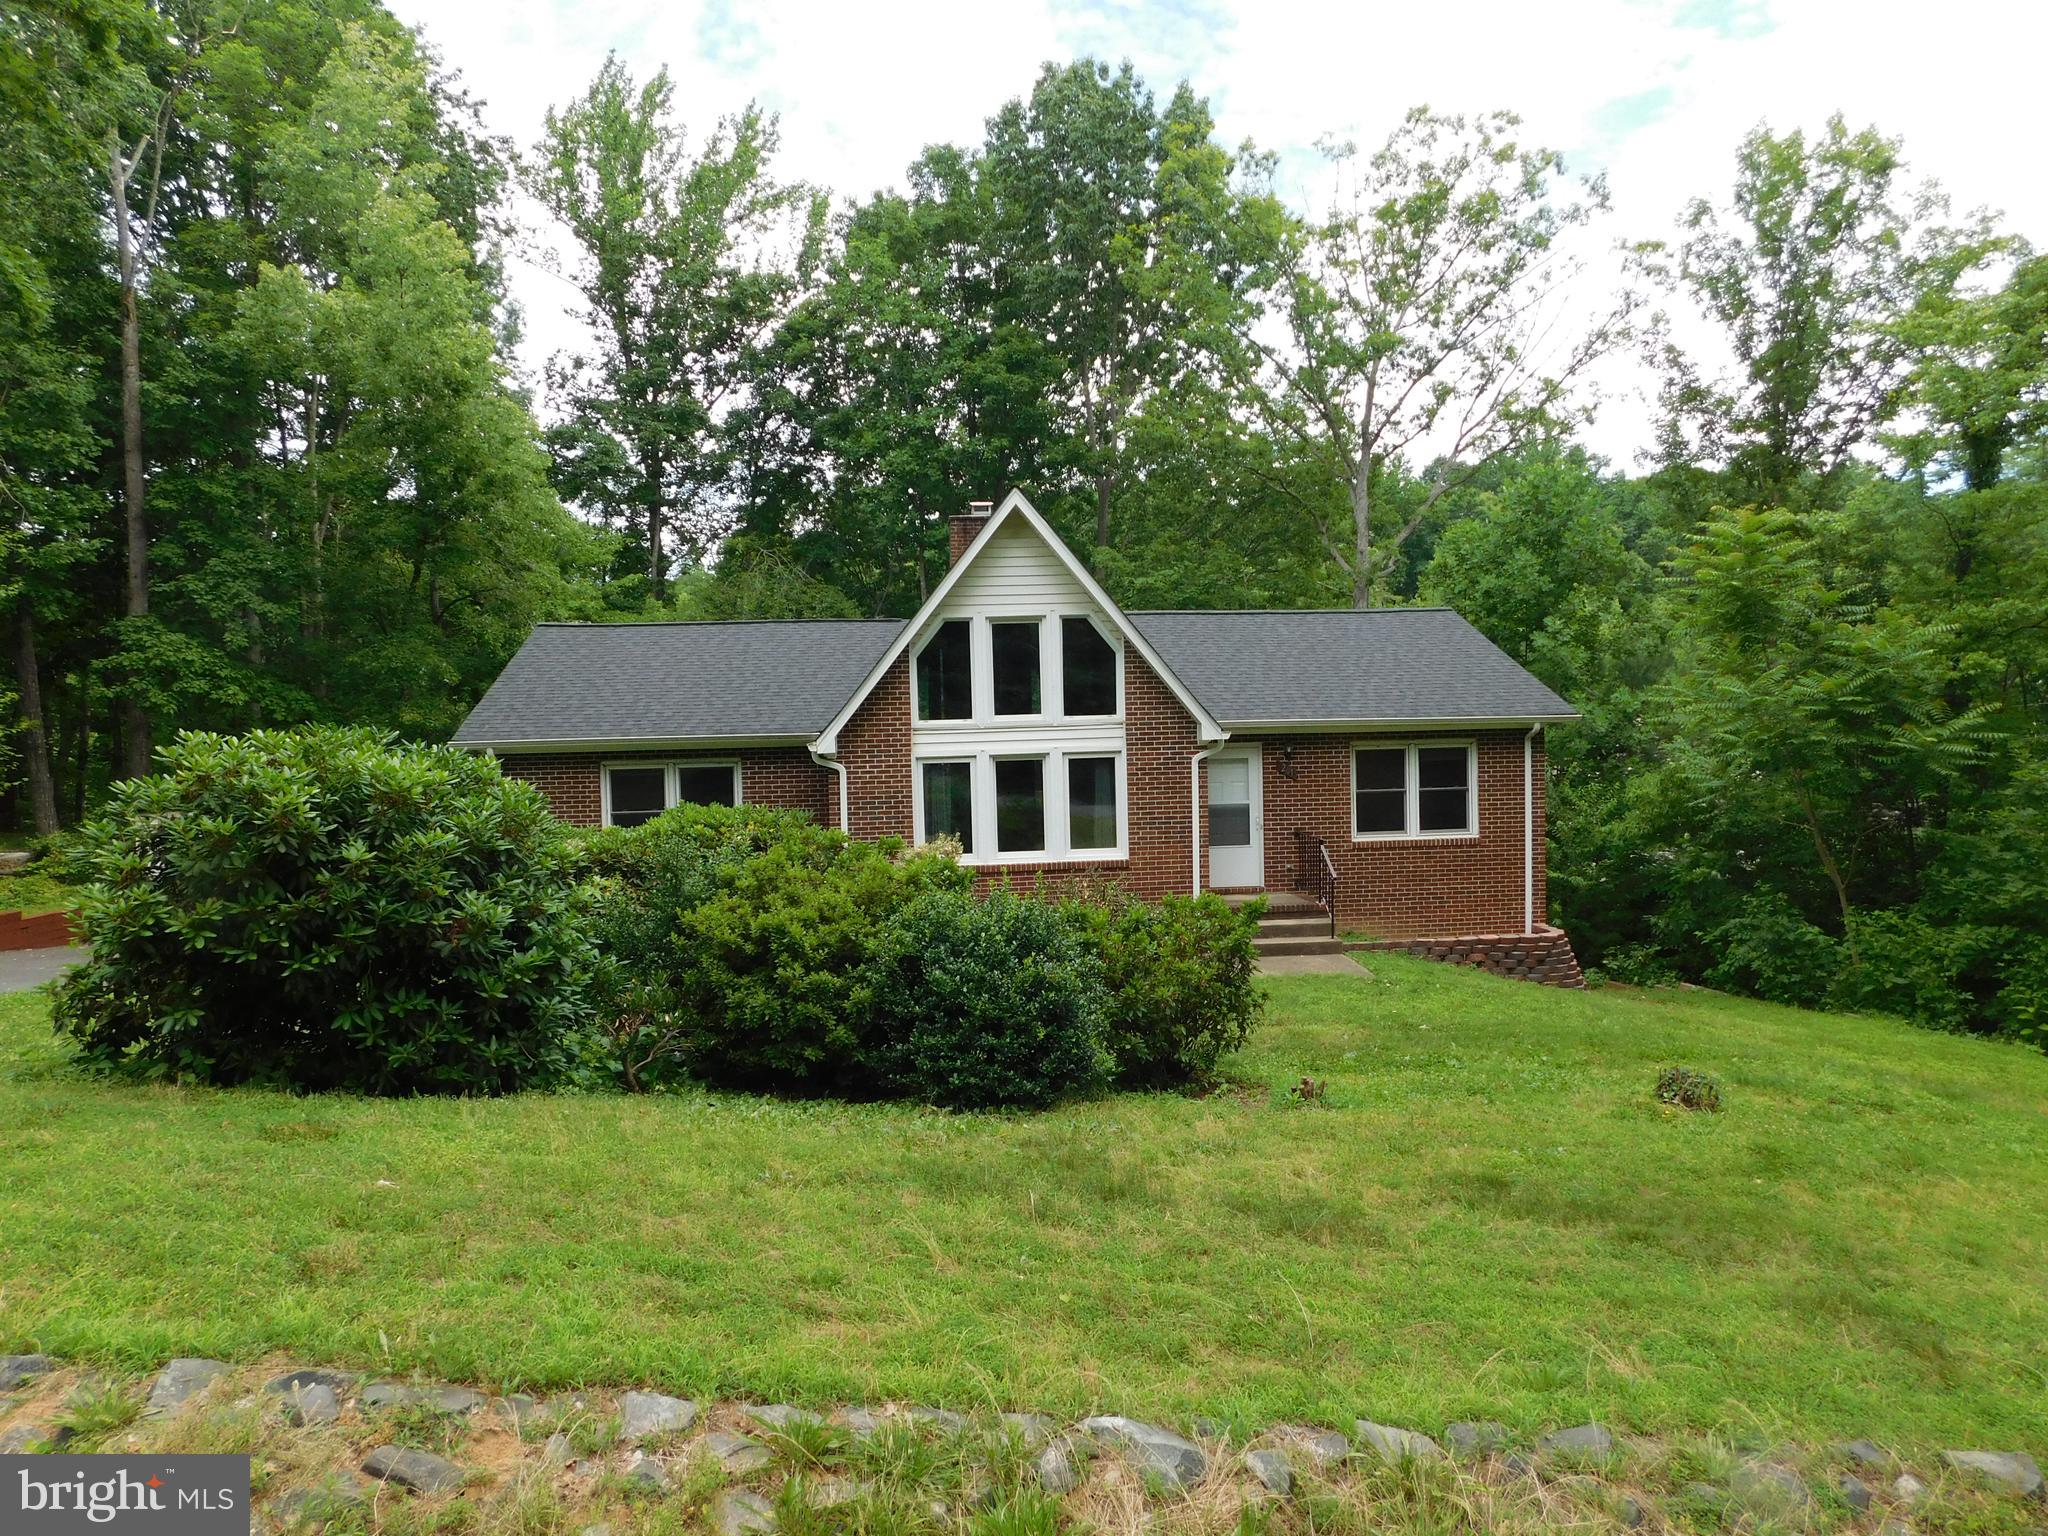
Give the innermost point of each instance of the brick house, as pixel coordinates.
(1380, 771)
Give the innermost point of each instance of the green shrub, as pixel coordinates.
(977, 1005)
(328, 909)
(767, 973)
(1685, 1088)
(1181, 978)
(641, 881)
(1774, 953)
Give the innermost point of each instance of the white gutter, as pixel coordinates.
(1529, 829)
(826, 760)
(1195, 813)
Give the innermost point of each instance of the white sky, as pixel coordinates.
(1656, 93)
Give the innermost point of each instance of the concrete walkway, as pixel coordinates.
(1310, 965)
(21, 969)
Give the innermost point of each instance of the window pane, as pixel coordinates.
(949, 802)
(1442, 801)
(1230, 826)
(638, 794)
(1020, 804)
(706, 784)
(1091, 802)
(1383, 768)
(944, 678)
(1087, 668)
(1015, 653)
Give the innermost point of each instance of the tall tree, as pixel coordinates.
(1821, 249)
(1422, 319)
(685, 260)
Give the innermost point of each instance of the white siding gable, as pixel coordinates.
(1016, 573)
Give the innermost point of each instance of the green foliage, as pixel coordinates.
(984, 1004)
(1180, 977)
(326, 909)
(1689, 1088)
(1773, 952)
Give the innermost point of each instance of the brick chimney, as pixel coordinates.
(966, 527)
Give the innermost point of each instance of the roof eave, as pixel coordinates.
(528, 745)
(1392, 723)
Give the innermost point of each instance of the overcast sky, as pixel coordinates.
(1655, 93)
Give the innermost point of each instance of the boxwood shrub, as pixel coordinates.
(326, 908)
(982, 1004)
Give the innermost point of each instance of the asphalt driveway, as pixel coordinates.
(21, 969)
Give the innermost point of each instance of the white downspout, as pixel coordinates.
(824, 761)
(1529, 829)
(1195, 812)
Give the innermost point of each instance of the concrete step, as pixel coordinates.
(1310, 925)
(1278, 903)
(1320, 946)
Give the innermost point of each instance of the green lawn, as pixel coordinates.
(1489, 1218)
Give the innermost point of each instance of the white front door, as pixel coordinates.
(1237, 822)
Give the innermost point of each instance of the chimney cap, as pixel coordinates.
(978, 508)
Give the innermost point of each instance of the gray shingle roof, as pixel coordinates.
(606, 683)
(1345, 664)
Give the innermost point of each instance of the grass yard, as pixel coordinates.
(1489, 1217)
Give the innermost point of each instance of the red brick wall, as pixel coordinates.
(962, 530)
(778, 776)
(1400, 888)
(1545, 955)
(875, 747)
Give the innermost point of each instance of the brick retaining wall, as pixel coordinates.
(1544, 956)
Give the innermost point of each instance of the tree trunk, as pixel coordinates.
(35, 739)
(134, 720)
(1102, 511)
(1361, 535)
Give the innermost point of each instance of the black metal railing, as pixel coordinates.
(1315, 874)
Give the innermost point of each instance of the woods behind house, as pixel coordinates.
(264, 460)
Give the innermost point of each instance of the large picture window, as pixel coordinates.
(638, 792)
(945, 673)
(1013, 654)
(1414, 789)
(1091, 802)
(949, 802)
(1020, 804)
(1087, 668)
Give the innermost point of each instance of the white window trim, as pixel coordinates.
(668, 767)
(1052, 682)
(1411, 799)
(1058, 826)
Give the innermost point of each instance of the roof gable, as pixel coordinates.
(1018, 510)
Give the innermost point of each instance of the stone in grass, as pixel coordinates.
(1475, 1437)
(421, 1471)
(1273, 1470)
(320, 1501)
(16, 1369)
(782, 1416)
(1579, 1440)
(1766, 1482)
(25, 1437)
(1055, 1469)
(2015, 1470)
(178, 1381)
(1634, 1513)
(736, 1453)
(832, 1492)
(557, 1450)
(1908, 1489)
(1324, 1447)
(1206, 1428)
(643, 1474)
(1865, 1453)
(1855, 1492)
(396, 1394)
(1034, 1429)
(861, 1423)
(642, 1415)
(944, 1420)
(1177, 1463)
(739, 1512)
(1702, 1493)
(1398, 1445)
(311, 1406)
(337, 1382)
